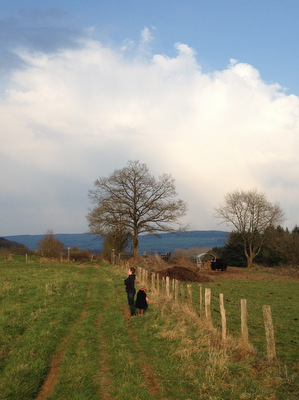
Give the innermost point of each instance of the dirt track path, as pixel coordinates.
(104, 374)
(53, 374)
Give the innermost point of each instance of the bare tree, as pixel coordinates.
(250, 213)
(131, 200)
(50, 246)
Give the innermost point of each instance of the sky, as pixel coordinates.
(204, 90)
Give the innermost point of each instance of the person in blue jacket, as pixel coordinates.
(130, 289)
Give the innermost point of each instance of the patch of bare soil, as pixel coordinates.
(187, 271)
(184, 274)
(255, 274)
(84, 265)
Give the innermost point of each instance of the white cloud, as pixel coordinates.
(79, 114)
(146, 36)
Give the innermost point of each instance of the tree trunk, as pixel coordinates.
(249, 261)
(135, 245)
(249, 255)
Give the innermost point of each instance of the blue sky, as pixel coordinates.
(204, 90)
(261, 33)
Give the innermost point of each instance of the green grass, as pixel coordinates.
(283, 297)
(79, 317)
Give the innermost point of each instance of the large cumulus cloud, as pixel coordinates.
(75, 114)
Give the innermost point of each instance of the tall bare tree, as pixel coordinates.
(250, 213)
(132, 200)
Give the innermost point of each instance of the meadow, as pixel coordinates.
(66, 333)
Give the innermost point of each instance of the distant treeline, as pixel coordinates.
(280, 248)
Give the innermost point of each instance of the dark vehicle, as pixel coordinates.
(218, 263)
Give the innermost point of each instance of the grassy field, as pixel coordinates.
(65, 333)
(282, 296)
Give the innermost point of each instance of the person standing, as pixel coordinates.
(141, 301)
(130, 289)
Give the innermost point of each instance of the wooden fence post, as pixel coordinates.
(182, 292)
(244, 326)
(223, 317)
(271, 352)
(153, 281)
(176, 290)
(200, 300)
(167, 286)
(158, 283)
(189, 288)
(208, 304)
(145, 277)
(112, 257)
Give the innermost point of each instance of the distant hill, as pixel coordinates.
(164, 243)
(12, 246)
(186, 240)
(81, 240)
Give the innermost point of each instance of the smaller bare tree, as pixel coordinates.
(250, 213)
(50, 246)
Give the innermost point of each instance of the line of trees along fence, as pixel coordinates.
(174, 289)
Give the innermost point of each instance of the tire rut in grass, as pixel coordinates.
(53, 374)
(152, 384)
(104, 373)
(104, 378)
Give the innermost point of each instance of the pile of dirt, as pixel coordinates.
(183, 274)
